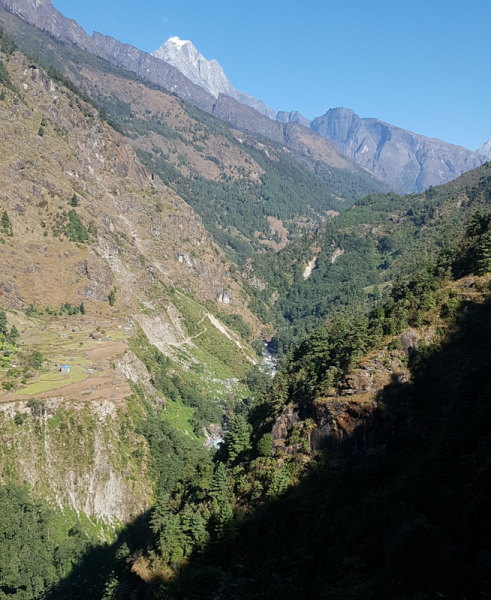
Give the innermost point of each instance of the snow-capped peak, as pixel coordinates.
(208, 74)
(177, 41)
(205, 73)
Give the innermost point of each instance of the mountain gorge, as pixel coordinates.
(156, 240)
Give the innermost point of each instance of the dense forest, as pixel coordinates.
(360, 255)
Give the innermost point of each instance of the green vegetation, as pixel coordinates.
(75, 229)
(66, 308)
(52, 549)
(371, 526)
(380, 239)
(180, 390)
(234, 209)
(112, 297)
(5, 224)
(322, 488)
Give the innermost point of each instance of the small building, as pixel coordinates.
(64, 336)
(65, 369)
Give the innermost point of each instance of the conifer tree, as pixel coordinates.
(239, 437)
(5, 223)
(484, 254)
(14, 334)
(167, 534)
(3, 323)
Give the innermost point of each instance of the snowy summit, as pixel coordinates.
(208, 74)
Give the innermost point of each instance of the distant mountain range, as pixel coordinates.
(407, 162)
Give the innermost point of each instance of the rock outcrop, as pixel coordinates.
(350, 419)
(75, 455)
(292, 117)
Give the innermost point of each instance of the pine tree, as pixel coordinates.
(220, 485)
(3, 323)
(5, 222)
(239, 437)
(168, 538)
(112, 297)
(14, 334)
(484, 254)
(279, 482)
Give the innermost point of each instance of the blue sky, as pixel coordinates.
(421, 65)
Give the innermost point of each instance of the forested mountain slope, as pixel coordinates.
(362, 470)
(356, 258)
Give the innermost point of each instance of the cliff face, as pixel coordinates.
(408, 162)
(76, 455)
(350, 420)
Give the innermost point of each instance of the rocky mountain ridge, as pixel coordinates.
(206, 73)
(485, 149)
(407, 162)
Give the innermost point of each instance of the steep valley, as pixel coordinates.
(148, 249)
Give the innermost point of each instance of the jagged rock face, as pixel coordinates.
(292, 117)
(408, 162)
(349, 420)
(206, 73)
(349, 427)
(485, 149)
(43, 15)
